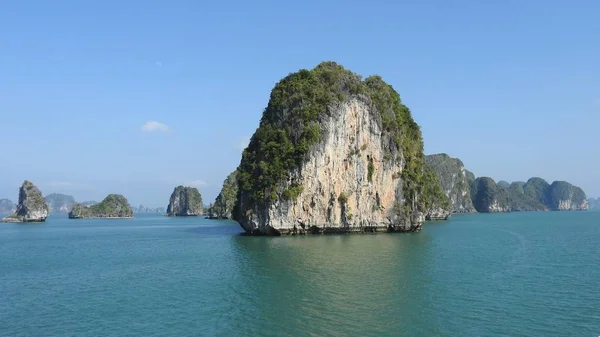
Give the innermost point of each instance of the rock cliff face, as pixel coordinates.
(185, 201)
(454, 181)
(59, 203)
(113, 206)
(488, 197)
(6, 206)
(222, 208)
(332, 154)
(563, 196)
(31, 207)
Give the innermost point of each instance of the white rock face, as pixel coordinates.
(496, 208)
(570, 205)
(438, 213)
(338, 195)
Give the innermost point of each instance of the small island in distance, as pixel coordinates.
(114, 206)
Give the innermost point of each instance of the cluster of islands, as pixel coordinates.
(333, 153)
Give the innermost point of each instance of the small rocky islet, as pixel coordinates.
(185, 201)
(31, 206)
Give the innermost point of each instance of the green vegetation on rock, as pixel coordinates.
(223, 205)
(488, 196)
(564, 196)
(434, 196)
(185, 201)
(291, 125)
(113, 206)
(31, 206)
(521, 202)
(537, 189)
(454, 181)
(534, 195)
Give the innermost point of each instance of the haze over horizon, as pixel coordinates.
(136, 98)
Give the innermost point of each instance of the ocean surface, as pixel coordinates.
(519, 274)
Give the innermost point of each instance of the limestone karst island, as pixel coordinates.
(333, 153)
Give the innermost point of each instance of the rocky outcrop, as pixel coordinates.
(437, 213)
(454, 181)
(31, 207)
(59, 203)
(6, 206)
(488, 197)
(114, 206)
(563, 196)
(332, 154)
(222, 208)
(185, 201)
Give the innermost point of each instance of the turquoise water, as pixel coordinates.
(529, 274)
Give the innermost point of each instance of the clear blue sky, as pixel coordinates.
(511, 88)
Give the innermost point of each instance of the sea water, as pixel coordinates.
(518, 274)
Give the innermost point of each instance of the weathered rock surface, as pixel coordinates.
(332, 154)
(454, 181)
(114, 206)
(31, 207)
(222, 208)
(59, 203)
(438, 213)
(6, 206)
(185, 201)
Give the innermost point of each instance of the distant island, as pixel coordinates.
(143, 209)
(6, 206)
(594, 203)
(185, 201)
(59, 203)
(31, 206)
(484, 195)
(113, 206)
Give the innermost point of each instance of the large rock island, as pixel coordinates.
(333, 154)
(185, 201)
(31, 207)
(114, 206)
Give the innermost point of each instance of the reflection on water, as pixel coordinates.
(475, 275)
(335, 285)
